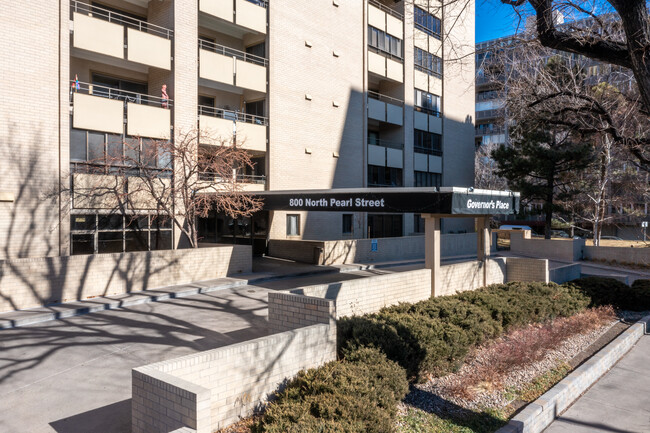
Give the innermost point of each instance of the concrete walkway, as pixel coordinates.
(73, 375)
(618, 403)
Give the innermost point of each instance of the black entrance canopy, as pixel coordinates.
(441, 201)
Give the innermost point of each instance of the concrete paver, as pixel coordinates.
(74, 374)
(618, 403)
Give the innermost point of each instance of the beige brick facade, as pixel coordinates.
(315, 94)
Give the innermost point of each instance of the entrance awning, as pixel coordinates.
(431, 203)
(443, 201)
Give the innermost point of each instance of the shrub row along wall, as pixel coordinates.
(27, 283)
(360, 250)
(212, 389)
(369, 295)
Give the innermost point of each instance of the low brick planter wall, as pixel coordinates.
(541, 413)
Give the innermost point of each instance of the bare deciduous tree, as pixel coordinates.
(178, 180)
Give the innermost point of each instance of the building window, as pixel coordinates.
(424, 179)
(347, 224)
(101, 151)
(418, 223)
(384, 226)
(112, 233)
(384, 42)
(427, 62)
(384, 176)
(427, 22)
(427, 103)
(427, 142)
(293, 225)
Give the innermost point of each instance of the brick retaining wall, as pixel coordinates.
(33, 282)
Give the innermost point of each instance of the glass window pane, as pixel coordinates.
(77, 145)
(110, 222)
(109, 242)
(82, 244)
(136, 240)
(132, 151)
(149, 152)
(161, 239)
(96, 147)
(114, 149)
(82, 222)
(137, 222)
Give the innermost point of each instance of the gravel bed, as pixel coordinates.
(435, 396)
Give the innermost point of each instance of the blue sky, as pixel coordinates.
(494, 20)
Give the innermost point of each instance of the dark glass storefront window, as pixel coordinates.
(384, 226)
(83, 244)
(109, 242)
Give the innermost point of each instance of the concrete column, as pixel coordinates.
(483, 237)
(432, 251)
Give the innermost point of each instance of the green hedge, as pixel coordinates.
(433, 337)
(608, 291)
(358, 394)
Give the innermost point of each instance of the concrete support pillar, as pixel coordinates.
(432, 251)
(483, 237)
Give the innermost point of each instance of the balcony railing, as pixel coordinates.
(231, 52)
(241, 178)
(488, 114)
(114, 169)
(385, 98)
(386, 143)
(123, 95)
(386, 9)
(236, 116)
(262, 3)
(121, 19)
(428, 150)
(493, 131)
(426, 110)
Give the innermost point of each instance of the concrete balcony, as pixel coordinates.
(385, 67)
(233, 67)
(426, 162)
(105, 32)
(427, 120)
(99, 108)
(212, 183)
(386, 153)
(250, 14)
(385, 108)
(219, 126)
(385, 19)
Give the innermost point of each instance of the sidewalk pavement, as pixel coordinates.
(265, 270)
(618, 403)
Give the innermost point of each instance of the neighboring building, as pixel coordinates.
(492, 123)
(323, 94)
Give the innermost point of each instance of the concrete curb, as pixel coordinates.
(162, 294)
(539, 414)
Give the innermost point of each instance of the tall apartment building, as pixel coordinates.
(493, 123)
(322, 93)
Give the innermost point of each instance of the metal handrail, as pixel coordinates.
(111, 93)
(236, 116)
(93, 167)
(493, 131)
(385, 143)
(385, 53)
(261, 3)
(386, 9)
(385, 98)
(428, 71)
(117, 18)
(427, 110)
(427, 150)
(231, 52)
(242, 178)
